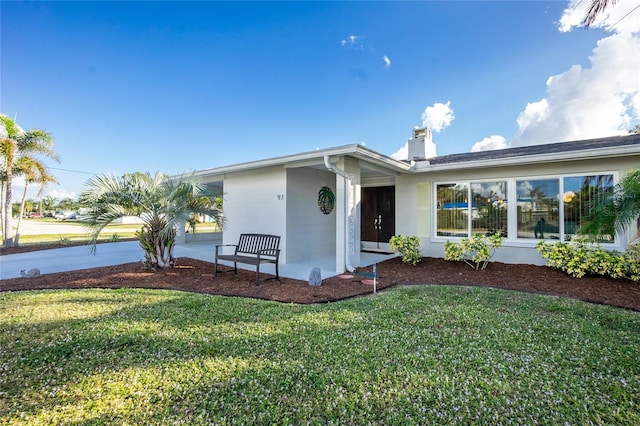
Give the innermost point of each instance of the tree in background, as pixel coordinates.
(163, 203)
(47, 204)
(33, 171)
(68, 204)
(15, 144)
(614, 211)
(29, 205)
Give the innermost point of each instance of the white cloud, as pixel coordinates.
(438, 116)
(349, 40)
(535, 112)
(33, 190)
(60, 194)
(402, 153)
(357, 44)
(596, 101)
(524, 186)
(620, 17)
(490, 143)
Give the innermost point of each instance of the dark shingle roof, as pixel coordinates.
(524, 151)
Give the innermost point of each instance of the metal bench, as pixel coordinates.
(252, 249)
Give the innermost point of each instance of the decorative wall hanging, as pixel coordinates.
(326, 200)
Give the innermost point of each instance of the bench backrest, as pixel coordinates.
(252, 243)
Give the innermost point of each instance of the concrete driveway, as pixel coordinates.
(68, 258)
(80, 257)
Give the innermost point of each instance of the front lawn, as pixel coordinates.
(111, 233)
(423, 354)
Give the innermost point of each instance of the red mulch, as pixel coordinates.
(197, 276)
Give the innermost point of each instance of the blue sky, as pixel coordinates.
(177, 86)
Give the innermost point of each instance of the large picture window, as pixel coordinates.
(489, 212)
(475, 207)
(538, 209)
(545, 208)
(452, 210)
(579, 193)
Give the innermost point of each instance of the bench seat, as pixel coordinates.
(252, 249)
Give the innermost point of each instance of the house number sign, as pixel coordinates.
(326, 200)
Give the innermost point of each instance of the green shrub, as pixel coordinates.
(475, 251)
(580, 258)
(408, 247)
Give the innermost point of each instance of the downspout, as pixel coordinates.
(348, 180)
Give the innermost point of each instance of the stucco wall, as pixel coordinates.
(255, 202)
(414, 201)
(310, 233)
(406, 205)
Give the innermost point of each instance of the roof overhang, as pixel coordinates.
(373, 163)
(311, 159)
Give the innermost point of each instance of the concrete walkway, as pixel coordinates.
(108, 254)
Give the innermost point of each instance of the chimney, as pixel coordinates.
(421, 146)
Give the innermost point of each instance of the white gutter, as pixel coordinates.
(348, 180)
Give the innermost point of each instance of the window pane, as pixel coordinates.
(579, 192)
(538, 208)
(453, 210)
(489, 208)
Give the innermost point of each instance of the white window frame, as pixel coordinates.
(434, 202)
(512, 211)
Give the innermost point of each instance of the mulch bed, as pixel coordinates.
(197, 276)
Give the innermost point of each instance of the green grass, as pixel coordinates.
(114, 233)
(42, 239)
(413, 355)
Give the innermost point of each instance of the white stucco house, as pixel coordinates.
(526, 193)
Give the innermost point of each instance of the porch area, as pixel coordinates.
(204, 250)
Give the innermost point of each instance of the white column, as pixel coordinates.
(341, 229)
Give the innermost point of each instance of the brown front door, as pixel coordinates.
(378, 214)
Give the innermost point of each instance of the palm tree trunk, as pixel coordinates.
(2, 184)
(7, 236)
(164, 254)
(24, 198)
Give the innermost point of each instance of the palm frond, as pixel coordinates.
(163, 204)
(613, 212)
(596, 8)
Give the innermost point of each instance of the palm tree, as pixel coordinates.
(47, 204)
(14, 144)
(33, 171)
(68, 204)
(614, 211)
(163, 203)
(596, 8)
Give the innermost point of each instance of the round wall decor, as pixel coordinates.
(326, 200)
